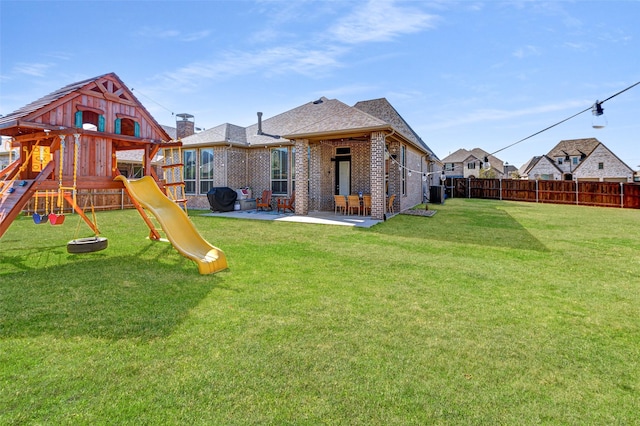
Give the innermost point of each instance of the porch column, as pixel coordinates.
(302, 177)
(378, 199)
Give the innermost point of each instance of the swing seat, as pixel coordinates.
(56, 219)
(40, 218)
(87, 245)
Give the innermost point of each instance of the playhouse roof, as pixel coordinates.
(22, 121)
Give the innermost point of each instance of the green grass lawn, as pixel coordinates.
(486, 313)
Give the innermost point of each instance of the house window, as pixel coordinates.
(560, 159)
(189, 161)
(138, 172)
(471, 165)
(403, 161)
(600, 166)
(127, 127)
(574, 160)
(206, 170)
(448, 167)
(279, 170)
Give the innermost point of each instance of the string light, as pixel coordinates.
(597, 105)
(408, 170)
(157, 103)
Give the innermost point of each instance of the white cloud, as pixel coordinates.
(526, 51)
(275, 60)
(33, 69)
(484, 115)
(380, 20)
(151, 32)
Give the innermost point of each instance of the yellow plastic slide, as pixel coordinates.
(176, 225)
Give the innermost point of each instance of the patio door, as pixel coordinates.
(343, 175)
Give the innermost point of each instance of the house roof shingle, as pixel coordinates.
(382, 109)
(574, 147)
(321, 117)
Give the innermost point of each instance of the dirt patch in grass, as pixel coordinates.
(418, 212)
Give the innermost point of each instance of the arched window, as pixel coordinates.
(88, 118)
(127, 127)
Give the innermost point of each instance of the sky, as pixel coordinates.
(463, 74)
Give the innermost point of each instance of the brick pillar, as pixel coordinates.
(302, 177)
(378, 198)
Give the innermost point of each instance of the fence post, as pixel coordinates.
(577, 194)
(622, 195)
(537, 199)
(500, 185)
(468, 187)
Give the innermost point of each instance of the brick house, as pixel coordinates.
(468, 164)
(583, 159)
(366, 148)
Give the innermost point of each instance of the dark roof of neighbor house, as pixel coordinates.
(574, 147)
(524, 169)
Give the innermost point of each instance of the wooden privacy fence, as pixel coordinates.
(587, 193)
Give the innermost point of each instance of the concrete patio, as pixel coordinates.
(317, 217)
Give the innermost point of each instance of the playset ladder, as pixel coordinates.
(173, 168)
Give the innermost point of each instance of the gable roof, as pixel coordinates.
(326, 117)
(601, 146)
(574, 147)
(322, 118)
(21, 119)
(526, 167)
(382, 109)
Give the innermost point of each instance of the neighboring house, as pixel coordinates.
(130, 162)
(583, 159)
(540, 167)
(473, 164)
(7, 155)
(510, 170)
(366, 148)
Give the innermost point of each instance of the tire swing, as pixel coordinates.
(88, 244)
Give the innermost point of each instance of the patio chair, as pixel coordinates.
(341, 203)
(366, 204)
(264, 202)
(353, 203)
(390, 204)
(287, 203)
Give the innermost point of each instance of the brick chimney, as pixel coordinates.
(185, 125)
